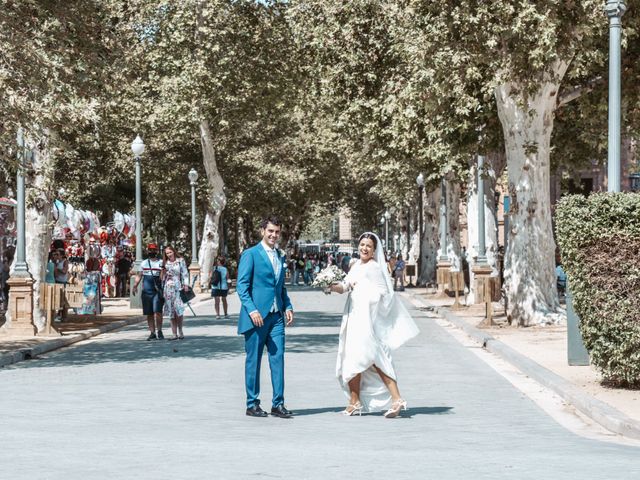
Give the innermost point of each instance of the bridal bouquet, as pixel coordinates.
(326, 277)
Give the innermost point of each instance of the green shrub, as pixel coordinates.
(599, 239)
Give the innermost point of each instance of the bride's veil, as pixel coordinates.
(394, 325)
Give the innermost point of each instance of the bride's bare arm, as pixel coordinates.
(339, 287)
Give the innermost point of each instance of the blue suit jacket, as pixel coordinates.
(257, 286)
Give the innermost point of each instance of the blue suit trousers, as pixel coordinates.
(271, 335)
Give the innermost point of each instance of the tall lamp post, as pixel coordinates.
(387, 217)
(443, 267)
(482, 248)
(615, 10)
(481, 269)
(21, 282)
(420, 182)
(194, 268)
(137, 147)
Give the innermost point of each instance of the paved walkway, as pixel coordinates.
(119, 407)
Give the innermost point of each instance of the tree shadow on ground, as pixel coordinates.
(405, 414)
(302, 319)
(209, 347)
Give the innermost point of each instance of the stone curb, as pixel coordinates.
(30, 352)
(597, 410)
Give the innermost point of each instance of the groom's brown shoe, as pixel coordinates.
(256, 411)
(281, 411)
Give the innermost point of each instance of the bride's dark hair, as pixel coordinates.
(371, 237)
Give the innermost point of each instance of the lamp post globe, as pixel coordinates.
(193, 176)
(137, 146)
(420, 180)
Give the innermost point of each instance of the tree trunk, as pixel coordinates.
(430, 238)
(241, 236)
(529, 272)
(217, 200)
(39, 199)
(494, 165)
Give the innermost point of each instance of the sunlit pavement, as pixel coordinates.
(120, 407)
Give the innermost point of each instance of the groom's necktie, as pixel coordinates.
(274, 265)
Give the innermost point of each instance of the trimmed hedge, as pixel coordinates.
(599, 240)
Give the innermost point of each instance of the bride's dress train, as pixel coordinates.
(374, 323)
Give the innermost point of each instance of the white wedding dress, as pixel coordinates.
(374, 323)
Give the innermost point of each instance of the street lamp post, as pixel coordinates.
(387, 217)
(442, 276)
(21, 282)
(137, 147)
(481, 269)
(420, 182)
(443, 222)
(194, 268)
(482, 248)
(21, 269)
(615, 10)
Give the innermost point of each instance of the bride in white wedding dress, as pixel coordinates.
(374, 323)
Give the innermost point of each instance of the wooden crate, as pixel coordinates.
(74, 295)
(51, 301)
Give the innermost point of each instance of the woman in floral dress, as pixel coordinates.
(176, 278)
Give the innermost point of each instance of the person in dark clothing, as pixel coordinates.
(150, 275)
(123, 266)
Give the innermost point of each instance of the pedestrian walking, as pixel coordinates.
(308, 270)
(220, 285)
(51, 265)
(151, 277)
(61, 268)
(299, 270)
(399, 273)
(294, 270)
(4, 279)
(123, 266)
(345, 263)
(175, 278)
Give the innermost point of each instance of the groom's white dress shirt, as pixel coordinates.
(275, 264)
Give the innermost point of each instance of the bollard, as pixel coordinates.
(577, 354)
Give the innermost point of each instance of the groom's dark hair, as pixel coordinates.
(271, 219)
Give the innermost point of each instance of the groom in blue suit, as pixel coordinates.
(265, 307)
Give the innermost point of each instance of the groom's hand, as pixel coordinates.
(289, 315)
(256, 318)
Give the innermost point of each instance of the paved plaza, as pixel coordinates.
(118, 407)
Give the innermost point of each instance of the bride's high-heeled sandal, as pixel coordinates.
(395, 409)
(353, 409)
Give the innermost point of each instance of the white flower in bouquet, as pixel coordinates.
(326, 277)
